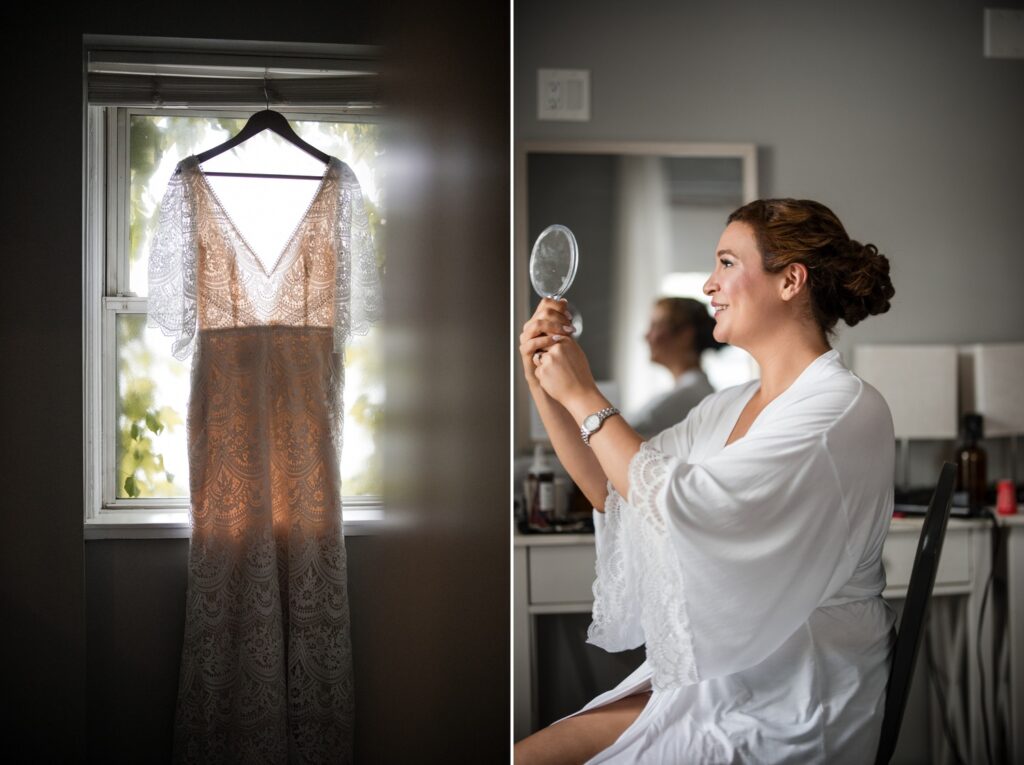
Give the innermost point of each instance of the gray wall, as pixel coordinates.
(886, 112)
(91, 631)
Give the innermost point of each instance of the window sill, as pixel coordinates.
(174, 524)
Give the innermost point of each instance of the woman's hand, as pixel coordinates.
(564, 373)
(550, 323)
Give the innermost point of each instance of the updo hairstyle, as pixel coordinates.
(847, 280)
(686, 312)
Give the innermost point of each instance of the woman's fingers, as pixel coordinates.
(538, 327)
(553, 309)
(539, 343)
(550, 323)
(550, 318)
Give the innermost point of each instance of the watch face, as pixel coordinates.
(591, 422)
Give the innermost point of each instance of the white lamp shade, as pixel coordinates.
(919, 382)
(998, 382)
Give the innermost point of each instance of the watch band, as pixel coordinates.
(602, 415)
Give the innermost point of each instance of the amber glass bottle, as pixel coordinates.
(970, 460)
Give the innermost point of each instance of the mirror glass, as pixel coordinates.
(553, 267)
(553, 261)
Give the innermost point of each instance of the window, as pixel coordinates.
(151, 103)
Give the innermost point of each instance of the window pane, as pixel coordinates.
(364, 403)
(146, 370)
(159, 142)
(152, 396)
(152, 392)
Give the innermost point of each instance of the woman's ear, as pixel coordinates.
(794, 281)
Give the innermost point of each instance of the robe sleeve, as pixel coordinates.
(357, 292)
(615, 624)
(733, 554)
(171, 269)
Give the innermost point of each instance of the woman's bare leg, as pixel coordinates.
(577, 739)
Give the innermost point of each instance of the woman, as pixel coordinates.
(742, 545)
(680, 331)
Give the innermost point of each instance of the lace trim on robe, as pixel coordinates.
(615, 624)
(639, 574)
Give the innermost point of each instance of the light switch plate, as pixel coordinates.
(1004, 33)
(563, 94)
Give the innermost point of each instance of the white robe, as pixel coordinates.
(671, 407)
(753, 573)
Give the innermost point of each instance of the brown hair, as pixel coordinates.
(686, 312)
(847, 280)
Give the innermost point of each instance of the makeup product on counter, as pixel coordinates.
(1006, 498)
(540, 492)
(970, 462)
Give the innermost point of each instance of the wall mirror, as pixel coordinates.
(648, 216)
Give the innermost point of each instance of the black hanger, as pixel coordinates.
(266, 119)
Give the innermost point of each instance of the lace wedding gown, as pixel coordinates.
(266, 671)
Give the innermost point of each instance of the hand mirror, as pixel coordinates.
(553, 266)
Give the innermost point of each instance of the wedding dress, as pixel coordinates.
(266, 672)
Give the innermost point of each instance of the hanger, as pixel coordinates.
(266, 119)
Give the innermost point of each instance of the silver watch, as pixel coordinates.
(593, 422)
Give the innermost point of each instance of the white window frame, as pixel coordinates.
(105, 215)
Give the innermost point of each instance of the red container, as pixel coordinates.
(1006, 497)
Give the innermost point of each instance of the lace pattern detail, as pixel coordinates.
(266, 668)
(358, 291)
(266, 671)
(664, 615)
(172, 269)
(326, 276)
(659, 592)
(615, 618)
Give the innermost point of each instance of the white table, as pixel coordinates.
(554, 574)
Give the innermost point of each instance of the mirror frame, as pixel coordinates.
(746, 152)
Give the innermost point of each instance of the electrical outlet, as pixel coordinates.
(563, 94)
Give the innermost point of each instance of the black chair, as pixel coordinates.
(908, 640)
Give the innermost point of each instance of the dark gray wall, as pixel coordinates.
(578, 191)
(92, 630)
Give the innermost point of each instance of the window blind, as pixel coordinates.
(182, 72)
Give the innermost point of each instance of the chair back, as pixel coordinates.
(908, 639)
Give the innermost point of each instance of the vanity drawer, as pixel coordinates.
(954, 561)
(565, 573)
(562, 574)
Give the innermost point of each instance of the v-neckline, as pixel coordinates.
(194, 161)
(831, 353)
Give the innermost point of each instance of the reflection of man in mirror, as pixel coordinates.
(681, 330)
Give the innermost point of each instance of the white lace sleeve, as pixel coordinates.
(172, 269)
(358, 288)
(664, 613)
(615, 624)
(734, 552)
